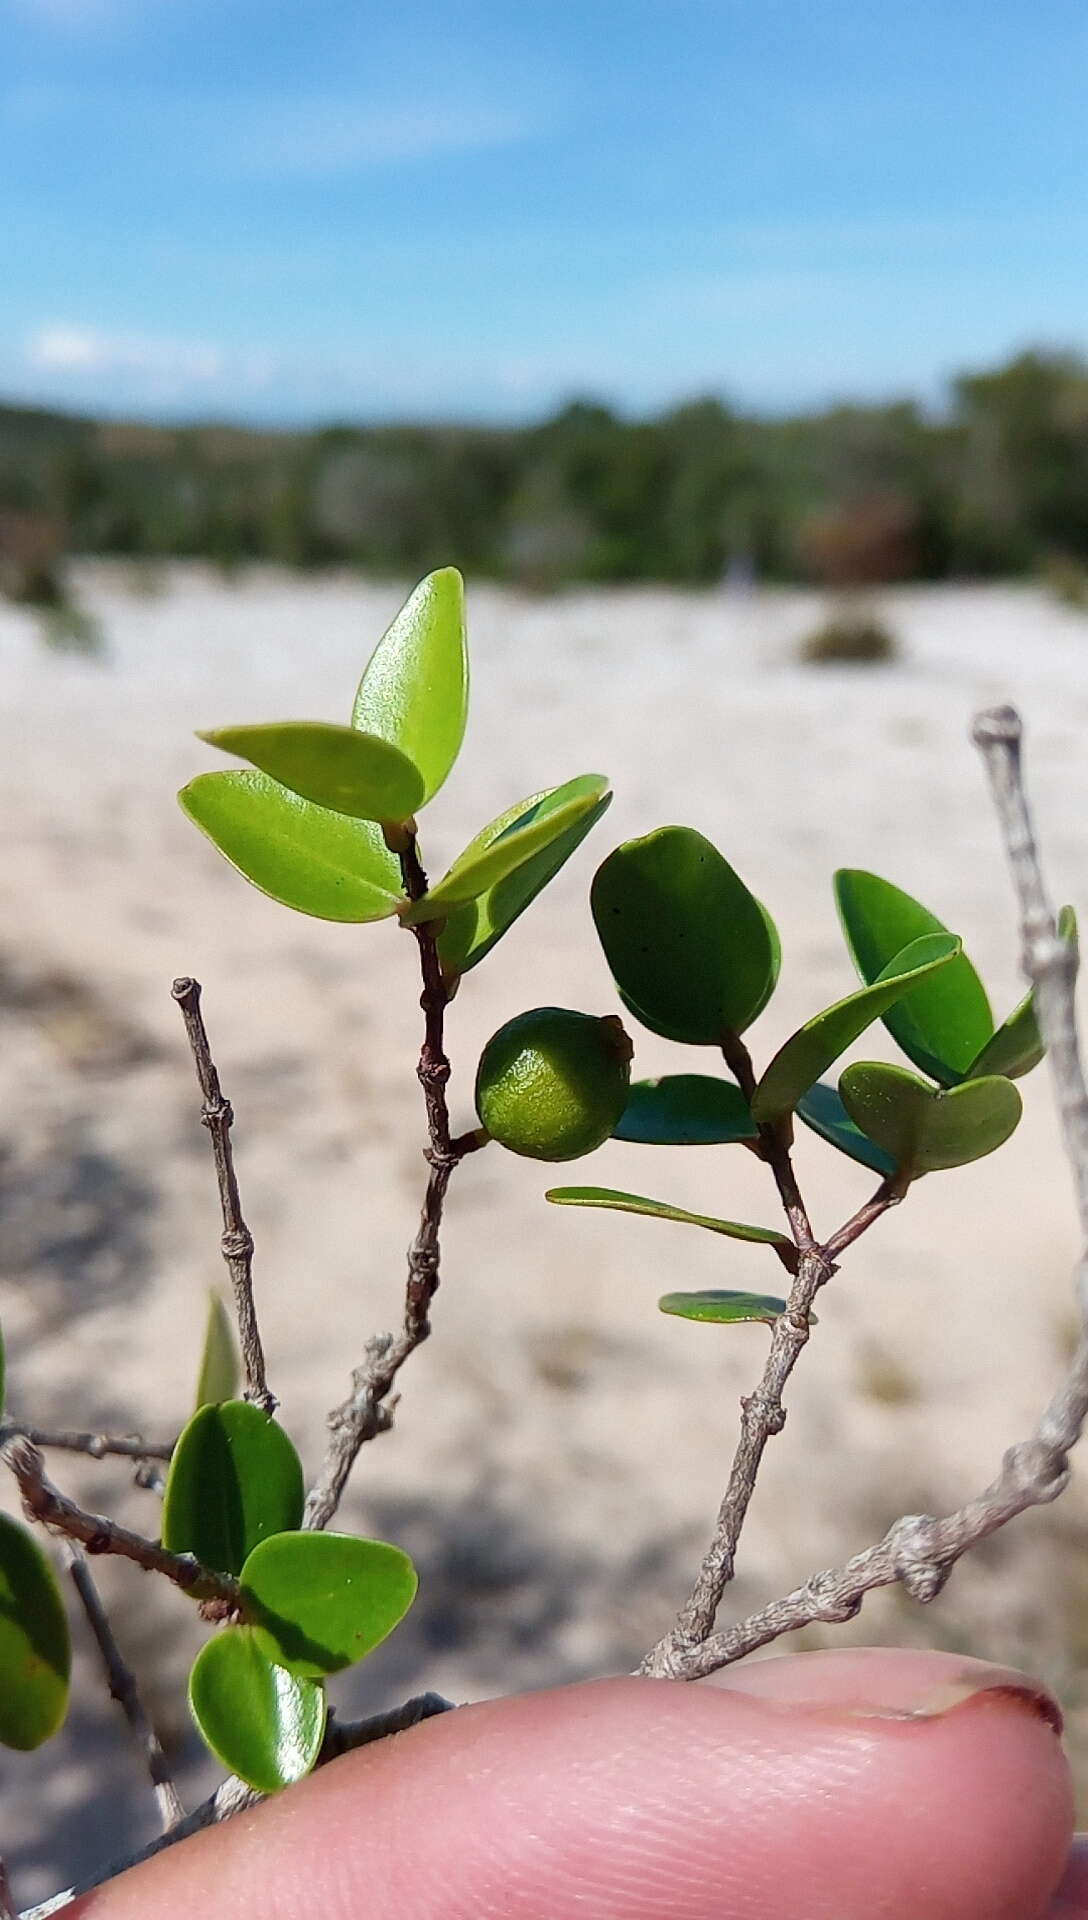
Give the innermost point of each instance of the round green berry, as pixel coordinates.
(553, 1084)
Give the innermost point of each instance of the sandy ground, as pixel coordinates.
(560, 1447)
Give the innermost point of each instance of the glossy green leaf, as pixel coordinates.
(1017, 1046)
(724, 1309)
(35, 1649)
(661, 1210)
(776, 962)
(685, 1110)
(818, 1044)
(234, 1479)
(689, 946)
(822, 1110)
(414, 692)
(264, 1724)
(470, 931)
(944, 1023)
(926, 1129)
(483, 867)
(322, 1601)
(219, 1365)
(336, 767)
(318, 862)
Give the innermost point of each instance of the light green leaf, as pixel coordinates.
(1017, 1046)
(483, 867)
(661, 1210)
(685, 1110)
(35, 1648)
(471, 930)
(322, 1601)
(689, 946)
(335, 767)
(926, 1129)
(818, 1044)
(234, 1479)
(315, 861)
(725, 1309)
(414, 692)
(219, 1367)
(822, 1110)
(264, 1724)
(944, 1023)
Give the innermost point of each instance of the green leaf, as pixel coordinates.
(307, 858)
(35, 1648)
(481, 868)
(264, 1724)
(923, 1128)
(335, 767)
(414, 692)
(219, 1368)
(689, 947)
(322, 1601)
(472, 930)
(234, 1479)
(724, 1309)
(817, 1045)
(661, 1210)
(1017, 1046)
(776, 962)
(943, 1024)
(822, 1110)
(685, 1110)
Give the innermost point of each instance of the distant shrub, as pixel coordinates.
(70, 629)
(863, 544)
(850, 637)
(30, 560)
(1067, 580)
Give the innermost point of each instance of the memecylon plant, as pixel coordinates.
(324, 819)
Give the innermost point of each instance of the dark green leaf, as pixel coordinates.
(776, 962)
(923, 1128)
(685, 1110)
(35, 1650)
(689, 947)
(321, 1601)
(818, 1044)
(234, 1479)
(318, 862)
(943, 1024)
(472, 930)
(335, 767)
(822, 1110)
(414, 692)
(1017, 1046)
(661, 1210)
(219, 1370)
(485, 864)
(724, 1309)
(263, 1723)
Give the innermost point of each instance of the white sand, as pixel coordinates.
(560, 1447)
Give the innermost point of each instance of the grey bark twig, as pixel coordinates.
(44, 1502)
(122, 1685)
(131, 1446)
(7, 1904)
(919, 1551)
(236, 1242)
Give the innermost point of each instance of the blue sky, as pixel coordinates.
(291, 212)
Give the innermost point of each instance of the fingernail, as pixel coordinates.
(878, 1683)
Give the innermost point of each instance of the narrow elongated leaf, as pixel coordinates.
(234, 1479)
(944, 1023)
(689, 946)
(817, 1045)
(219, 1368)
(822, 1110)
(661, 1210)
(264, 1724)
(35, 1649)
(1017, 1046)
(724, 1309)
(470, 931)
(685, 1110)
(926, 1129)
(337, 767)
(483, 867)
(321, 1601)
(318, 862)
(414, 692)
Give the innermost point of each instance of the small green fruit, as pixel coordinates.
(553, 1084)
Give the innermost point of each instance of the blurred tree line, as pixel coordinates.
(998, 483)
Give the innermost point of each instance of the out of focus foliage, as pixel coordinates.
(997, 483)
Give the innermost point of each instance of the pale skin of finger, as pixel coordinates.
(908, 1786)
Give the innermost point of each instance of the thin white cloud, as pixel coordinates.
(65, 349)
(327, 135)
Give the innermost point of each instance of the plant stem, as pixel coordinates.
(131, 1446)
